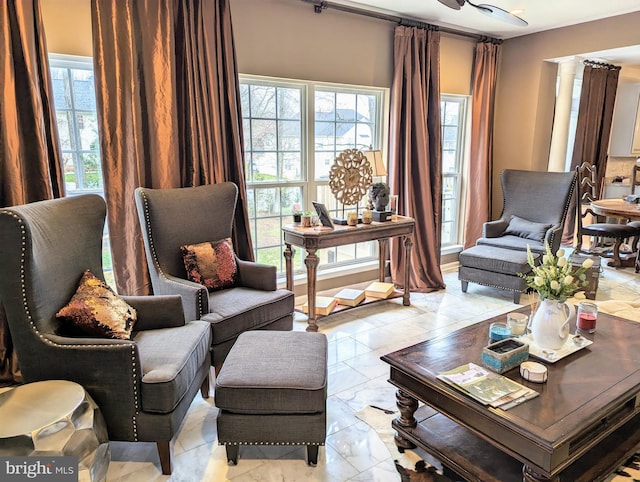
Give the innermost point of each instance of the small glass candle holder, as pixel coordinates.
(517, 323)
(498, 331)
(587, 316)
(393, 203)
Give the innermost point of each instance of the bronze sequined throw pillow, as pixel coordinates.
(212, 264)
(96, 311)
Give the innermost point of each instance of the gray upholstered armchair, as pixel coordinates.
(142, 385)
(535, 206)
(171, 218)
(534, 210)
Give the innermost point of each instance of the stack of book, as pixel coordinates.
(487, 387)
(324, 305)
(378, 289)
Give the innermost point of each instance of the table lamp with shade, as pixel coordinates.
(378, 191)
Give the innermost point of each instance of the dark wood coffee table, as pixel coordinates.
(584, 424)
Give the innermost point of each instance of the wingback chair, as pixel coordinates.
(171, 218)
(142, 385)
(541, 200)
(534, 209)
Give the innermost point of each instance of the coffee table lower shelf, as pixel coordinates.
(473, 459)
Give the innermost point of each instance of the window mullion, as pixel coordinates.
(78, 159)
(310, 101)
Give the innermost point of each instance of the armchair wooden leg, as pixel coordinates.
(232, 454)
(164, 452)
(204, 388)
(312, 455)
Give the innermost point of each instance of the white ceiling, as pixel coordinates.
(540, 14)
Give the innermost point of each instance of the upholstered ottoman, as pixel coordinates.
(497, 267)
(272, 389)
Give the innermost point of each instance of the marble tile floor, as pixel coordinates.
(357, 378)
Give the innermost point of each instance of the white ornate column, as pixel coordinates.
(562, 117)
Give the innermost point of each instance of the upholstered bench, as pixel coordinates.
(272, 389)
(496, 267)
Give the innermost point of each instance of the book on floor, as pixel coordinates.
(350, 297)
(324, 305)
(487, 387)
(378, 289)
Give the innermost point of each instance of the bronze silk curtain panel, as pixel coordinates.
(30, 160)
(483, 89)
(593, 128)
(415, 153)
(595, 113)
(31, 168)
(169, 110)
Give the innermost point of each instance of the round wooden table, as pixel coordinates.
(55, 418)
(617, 208)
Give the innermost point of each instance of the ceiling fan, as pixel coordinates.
(490, 10)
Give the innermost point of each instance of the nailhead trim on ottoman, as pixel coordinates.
(272, 389)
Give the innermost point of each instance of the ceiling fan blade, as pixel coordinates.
(455, 4)
(500, 14)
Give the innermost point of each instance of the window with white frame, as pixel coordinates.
(77, 120)
(293, 131)
(453, 111)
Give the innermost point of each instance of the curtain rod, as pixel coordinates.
(601, 65)
(318, 7)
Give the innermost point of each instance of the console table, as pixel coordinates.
(584, 424)
(314, 238)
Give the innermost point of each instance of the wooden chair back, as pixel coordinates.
(635, 178)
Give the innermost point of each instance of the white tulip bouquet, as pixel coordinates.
(555, 279)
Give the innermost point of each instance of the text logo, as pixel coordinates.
(39, 468)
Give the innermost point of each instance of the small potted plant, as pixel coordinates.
(305, 220)
(297, 214)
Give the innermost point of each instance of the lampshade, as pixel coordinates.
(374, 156)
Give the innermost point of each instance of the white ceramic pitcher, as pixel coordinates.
(550, 324)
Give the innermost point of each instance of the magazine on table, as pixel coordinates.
(487, 387)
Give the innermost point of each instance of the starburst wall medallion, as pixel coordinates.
(350, 177)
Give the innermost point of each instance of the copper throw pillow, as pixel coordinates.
(95, 310)
(212, 264)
